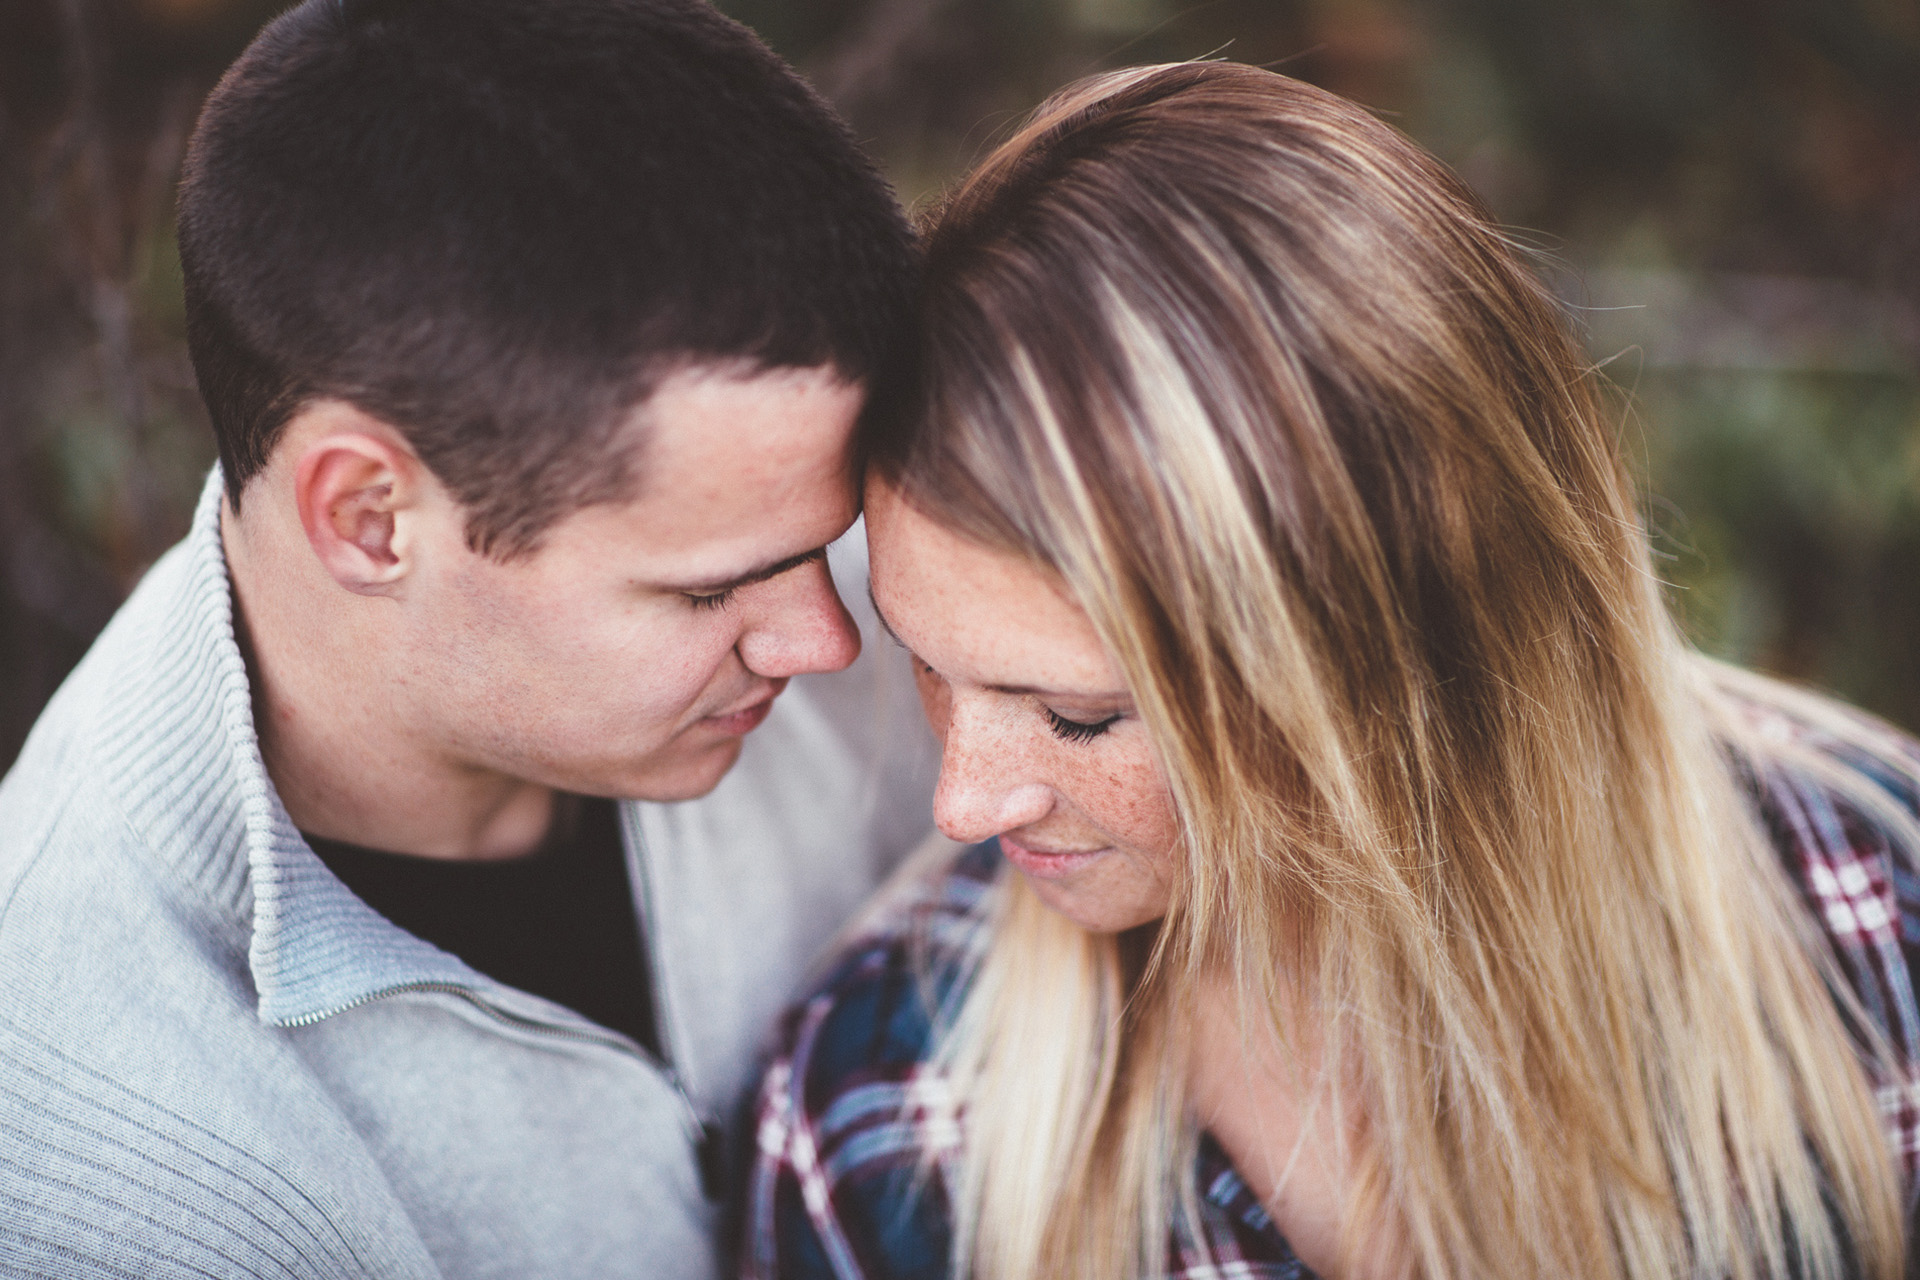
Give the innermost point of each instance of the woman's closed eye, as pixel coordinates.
(1077, 730)
(1066, 728)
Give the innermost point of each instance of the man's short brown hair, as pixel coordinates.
(495, 223)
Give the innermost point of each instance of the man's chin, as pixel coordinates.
(685, 775)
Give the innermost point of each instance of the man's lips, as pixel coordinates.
(1047, 864)
(745, 719)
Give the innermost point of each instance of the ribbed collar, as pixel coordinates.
(180, 750)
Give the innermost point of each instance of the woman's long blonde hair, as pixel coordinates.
(1261, 381)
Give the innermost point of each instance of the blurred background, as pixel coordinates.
(1726, 192)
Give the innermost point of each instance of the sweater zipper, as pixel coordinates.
(704, 1136)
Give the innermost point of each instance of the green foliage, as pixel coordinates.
(1792, 515)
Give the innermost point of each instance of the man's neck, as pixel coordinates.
(337, 742)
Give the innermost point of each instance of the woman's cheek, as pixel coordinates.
(1131, 798)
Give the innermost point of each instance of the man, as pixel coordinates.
(533, 333)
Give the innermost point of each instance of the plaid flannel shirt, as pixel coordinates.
(841, 1186)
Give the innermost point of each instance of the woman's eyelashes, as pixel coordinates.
(1067, 730)
(1077, 730)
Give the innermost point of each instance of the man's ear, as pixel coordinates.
(356, 484)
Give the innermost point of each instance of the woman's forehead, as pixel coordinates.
(978, 613)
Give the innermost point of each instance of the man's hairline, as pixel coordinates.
(656, 373)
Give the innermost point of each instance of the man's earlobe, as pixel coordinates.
(352, 489)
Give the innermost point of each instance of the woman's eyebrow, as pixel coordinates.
(1070, 695)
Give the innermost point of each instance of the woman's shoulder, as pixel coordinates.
(857, 1043)
(1794, 746)
(851, 1109)
(900, 967)
(1838, 793)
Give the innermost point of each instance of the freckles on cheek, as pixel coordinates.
(1132, 796)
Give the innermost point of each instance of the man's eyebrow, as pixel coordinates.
(751, 576)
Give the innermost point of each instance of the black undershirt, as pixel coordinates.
(558, 922)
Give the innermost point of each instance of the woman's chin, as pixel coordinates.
(1102, 892)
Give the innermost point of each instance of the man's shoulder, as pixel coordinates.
(146, 743)
(59, 763)
(183, 1165)
(72, 865)
(114, 1183)
(136, 658)
(156, 1127)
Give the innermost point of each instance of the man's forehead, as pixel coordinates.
(707, 424)
(737, 474)
(709, 551)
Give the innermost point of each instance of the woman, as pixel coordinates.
(1381, 886)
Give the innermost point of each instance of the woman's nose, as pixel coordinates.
(987, 782)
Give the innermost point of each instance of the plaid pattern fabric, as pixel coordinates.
(854, 1131)
(1863, 894)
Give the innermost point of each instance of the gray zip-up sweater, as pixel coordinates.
(216, 1061)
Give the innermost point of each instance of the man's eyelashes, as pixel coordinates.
(715, 601)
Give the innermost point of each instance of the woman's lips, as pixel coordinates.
(1045, 865)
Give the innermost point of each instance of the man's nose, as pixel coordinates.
(799, 625)
(987, 784)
